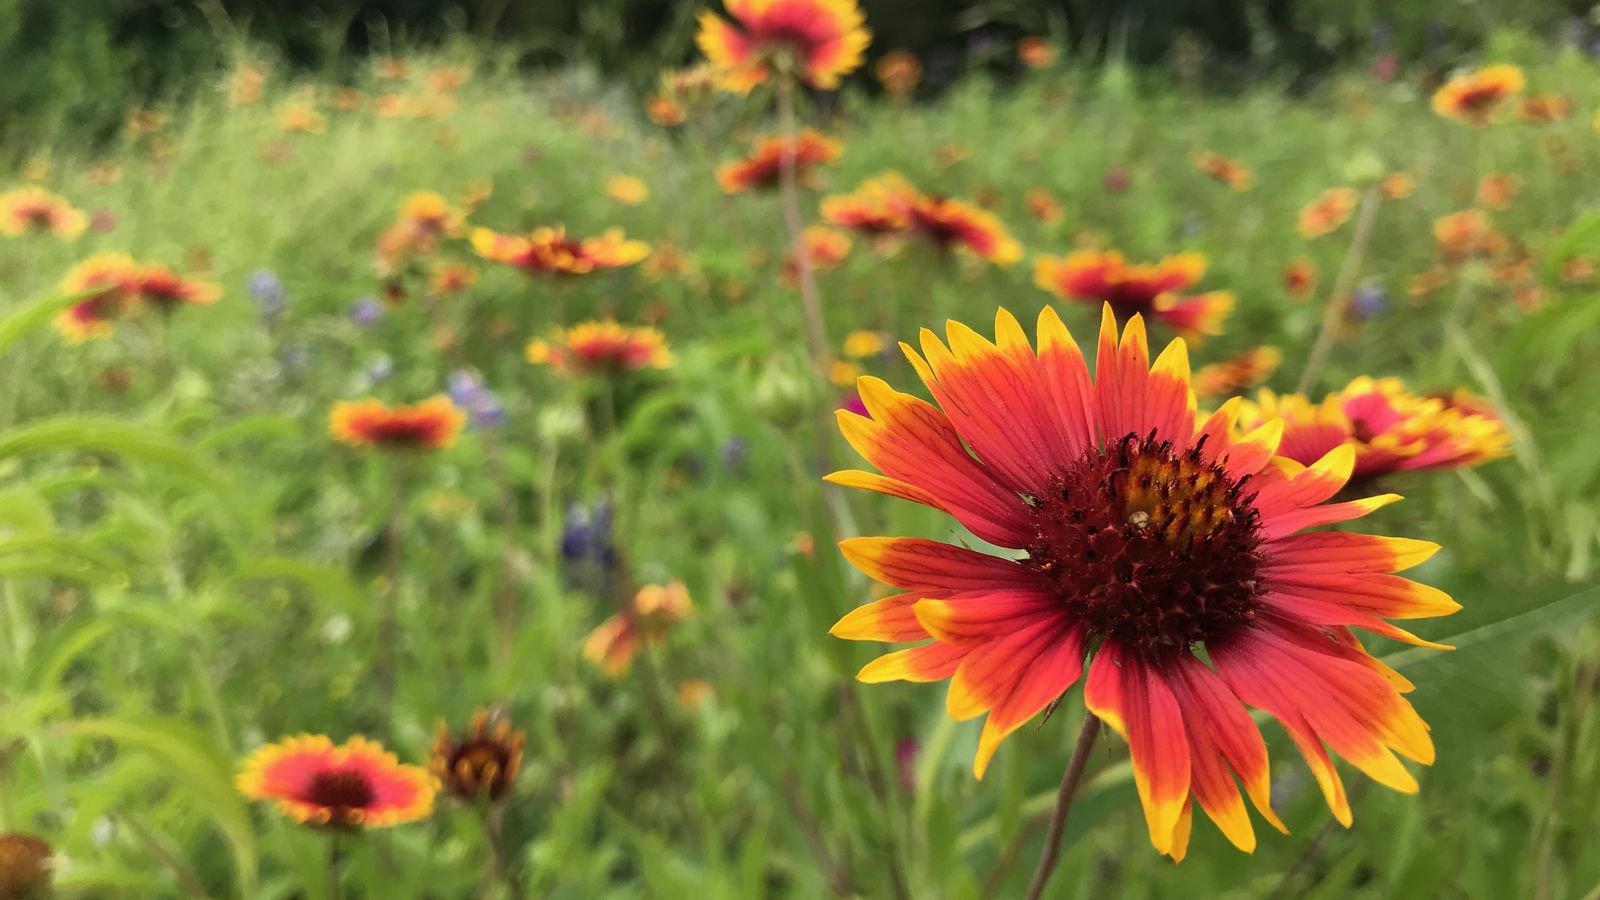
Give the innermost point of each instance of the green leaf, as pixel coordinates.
(35, 314)
(197, 768)
(106, 435)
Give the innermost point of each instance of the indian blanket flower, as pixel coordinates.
(1541, 109)
(1220, 168)
(32, 210)
(1300, 278)
(1145, 538)
(1473, 97)
(432, 424)
(601, 346)
(760, 170)
(483, 764)
(447, 278)
(951, 224)
(549, 250)
(353, 785)
(653, 612)
(1397, 185)
(1325, 214)
(629, 190)
(1247, 369)
(424, 218)
(899, 71)
(1389, 428)
(862, 344)
(160, 288)
(826, 248)
(819, 41)
(1497, 189)
(1036, 52)
(26, 866)
(881, 205)
(1044, 207)
(108, 283)
(1463, 234)
(1144, 289)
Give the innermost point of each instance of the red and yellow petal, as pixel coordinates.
(933, 569)
(890, 619)
(1133, 398)
(1135, 700)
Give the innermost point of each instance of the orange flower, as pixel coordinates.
(448, 79)
(549, 250)
(1426, 283)
(430, 425)
(302, 118)
(601, 346)
(826, 248)
(452, 278)
(1249, 368)
(1544, 108)
(1043, 206)
(1230, 172)
(483, 764)
(899, 71)
(881, 205)
(1036, 52)
(165, 290)
(820, 41)
(347, 99)
(762, 167)
(1391, 429)
(109, 282)
(244, 84)
(1498, 189)
(1149, 289)
(1300, 278)
(1144, 534)
(1397, 185)
(953, 224)
(31, 210)
(655, 610)
(1472, 97)
(1462, 234)
(1326, 213)
(664, 110)
(629, 190)
(424, 218)
(357, 784)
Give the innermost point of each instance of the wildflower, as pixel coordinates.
(1325, 214)
(356, 784)
(1145, 538)
(1472, 97)
(694, 693)
(1425, 283)
(819, 41)
(1369, 301)
(449, 278)
(826, 248)
(366, 312)
(1300, 278)
(109, 282)
(26, 864)
(1462, 234)
(1043, 206)
(664, 110)
(654, 611)
(843, 373)
(549, 250)
(447, 79)
(905, 763)
(430, 425)
(629, 190)
(1498, 189)
(1544, 108)
(761, 169)
(301, 118)
(1388, 428)
(391, 68)
(950, 224)
(1247, 369)
(1230, 172)
(424, 218)
(1397, 185)
(476, 193)
(881, 205)
(1036, 52)
(1150, 289)
(861, 344)
(467, 391)
(1117, 180)
(104, 174)
(347, 99)
(269, 294)
(483, 764)
(245, 83)
(899, 71)
(586, 535)
(601, 346)
(140, 122)
(31, 210)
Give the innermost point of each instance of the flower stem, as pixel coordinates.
(388, 631)
(335, 859)
(494, 833)
(810, 301)
(1339, 297)
(1064, 798)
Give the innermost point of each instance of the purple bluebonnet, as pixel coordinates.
(269, 294)
(586, 535)
(1369, 301)
(366, 311)
(468, 392)
(734, 452)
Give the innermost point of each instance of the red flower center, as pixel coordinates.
(1154, 547)
(340, 790)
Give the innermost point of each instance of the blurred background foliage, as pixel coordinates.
(74, 64)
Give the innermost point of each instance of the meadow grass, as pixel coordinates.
(204, 556)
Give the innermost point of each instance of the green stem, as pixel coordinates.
(1064, 797)
(494, 834)
(1339, 298)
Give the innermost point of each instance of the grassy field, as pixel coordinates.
(192, 566)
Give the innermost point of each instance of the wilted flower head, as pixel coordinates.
(601, 346)
(25, 867)
(819, 41)
(1128, 289)
(483, 764)
(357, 784)
(32, 210)
(1472, 97)
(761, 169)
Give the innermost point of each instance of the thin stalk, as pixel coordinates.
(494, 834)
(1339, 298)
(167, 367)
(810, 301)
(335, 862)
(1064, 798)
(388, 631)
